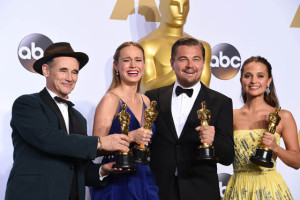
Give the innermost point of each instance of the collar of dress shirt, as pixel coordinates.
(196, 89)
(52, 94)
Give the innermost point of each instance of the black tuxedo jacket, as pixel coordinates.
(168, 152)
(45, 155)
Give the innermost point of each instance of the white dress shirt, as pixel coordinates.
(181, 106)
(63, 109)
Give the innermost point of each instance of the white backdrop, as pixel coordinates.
(253, 27)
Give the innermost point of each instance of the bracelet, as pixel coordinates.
(100, 143)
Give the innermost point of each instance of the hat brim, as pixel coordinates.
(81, 57)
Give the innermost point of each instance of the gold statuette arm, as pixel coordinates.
(124, 119)
(150, 115)
(274, 120)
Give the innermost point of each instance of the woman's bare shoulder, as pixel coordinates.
(237, 112)
(109, 100)
(285, 114)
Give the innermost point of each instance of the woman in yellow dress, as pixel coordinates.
(250, 124)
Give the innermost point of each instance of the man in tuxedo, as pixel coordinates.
(52, 152)
(178, 132)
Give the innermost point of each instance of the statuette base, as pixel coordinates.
(262, 158)
(140, 155)
(206, 154)
(124, 161)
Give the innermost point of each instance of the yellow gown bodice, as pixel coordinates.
(250, 181)
(246, 143)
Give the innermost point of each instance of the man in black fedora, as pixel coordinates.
(52, 152)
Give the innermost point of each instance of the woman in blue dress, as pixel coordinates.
(128, 69)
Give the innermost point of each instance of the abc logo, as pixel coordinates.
(223, 180)
(225, 61)
(31, 48)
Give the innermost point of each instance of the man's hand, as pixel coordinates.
(115, 142)
(107, 169)
(206, 134)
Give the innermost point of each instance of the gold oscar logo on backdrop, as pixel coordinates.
(296, 20)
(147, 8)
(158, 44)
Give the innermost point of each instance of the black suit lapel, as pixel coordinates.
(165, 97)
(75, 125)
(45, 96)
(192, 120)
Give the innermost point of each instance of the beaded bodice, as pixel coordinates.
(245, 144)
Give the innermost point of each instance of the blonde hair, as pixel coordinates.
(116, 81)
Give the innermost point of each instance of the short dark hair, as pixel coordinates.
(188, 41)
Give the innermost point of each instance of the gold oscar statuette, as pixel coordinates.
(205, 151)
(158, 45)
(124, 159)
(140, 151)
(263, 155)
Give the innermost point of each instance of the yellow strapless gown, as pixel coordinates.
(250, 181)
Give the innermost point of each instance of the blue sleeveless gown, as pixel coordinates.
(136, 185)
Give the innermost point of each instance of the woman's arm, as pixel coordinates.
(291, 155)
(104, 114)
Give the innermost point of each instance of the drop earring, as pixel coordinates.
(117, 73)
(268, 90)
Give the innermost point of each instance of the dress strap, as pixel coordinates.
(143, 112)
(121, 102)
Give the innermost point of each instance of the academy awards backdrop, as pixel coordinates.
(235, 30)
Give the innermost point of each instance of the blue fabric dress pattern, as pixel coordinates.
(136, 185)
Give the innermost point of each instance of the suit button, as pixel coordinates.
(71, 168)
(89, 156)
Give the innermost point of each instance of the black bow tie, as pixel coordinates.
(61, 100)
(179, 90)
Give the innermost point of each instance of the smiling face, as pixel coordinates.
(174, 12)
(255, 79)
(130, 65)
(61, 75)
(188, 65)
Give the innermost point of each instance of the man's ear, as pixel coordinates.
(45, 70)
(172, 63)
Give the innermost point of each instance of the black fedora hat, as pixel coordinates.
(57, 50)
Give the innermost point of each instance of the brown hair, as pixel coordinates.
(270, 98)
(116, 81)
(188, 41)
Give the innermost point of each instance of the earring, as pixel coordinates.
(268, 89)
(117, 73)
